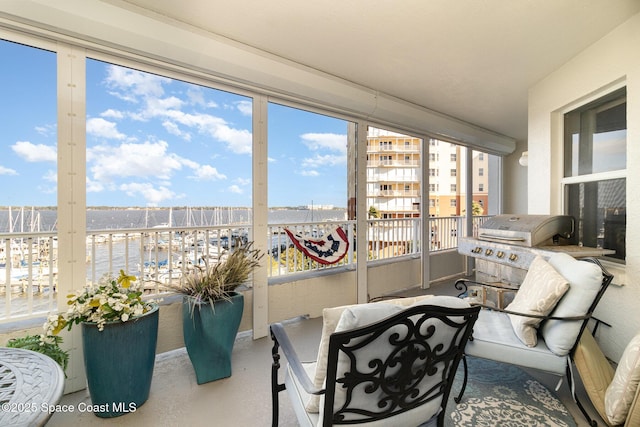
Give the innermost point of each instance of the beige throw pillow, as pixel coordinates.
(539, 293)
(621, 391)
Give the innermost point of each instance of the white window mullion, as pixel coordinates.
(71, 194)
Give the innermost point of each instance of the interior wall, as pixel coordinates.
(610, 62)
(515, 182)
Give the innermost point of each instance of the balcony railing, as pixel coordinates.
(394, 163)
(397, 193)
(165, 255)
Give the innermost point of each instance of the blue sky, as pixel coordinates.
(155, 141)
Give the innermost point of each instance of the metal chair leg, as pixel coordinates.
(572, 389)
(275, 387)
(464, 380)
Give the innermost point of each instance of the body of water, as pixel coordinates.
(133, 253)
(33, 219)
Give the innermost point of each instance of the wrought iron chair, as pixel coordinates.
(399, 369)
(494, 336)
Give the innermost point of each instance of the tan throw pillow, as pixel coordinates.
(621, 391)
(539, 293)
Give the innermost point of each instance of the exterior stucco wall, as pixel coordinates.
(611, 62)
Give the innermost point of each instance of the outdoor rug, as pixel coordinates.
(499, 394)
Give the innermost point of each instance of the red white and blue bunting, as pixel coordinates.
(328, 249)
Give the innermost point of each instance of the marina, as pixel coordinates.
(171, 243)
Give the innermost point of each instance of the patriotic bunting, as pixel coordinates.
(328, 249)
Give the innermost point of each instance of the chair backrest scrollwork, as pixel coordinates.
(405, 363)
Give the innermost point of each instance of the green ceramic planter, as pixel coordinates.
(119, 363)
(209, 335)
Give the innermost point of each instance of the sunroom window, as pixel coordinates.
(595, 162)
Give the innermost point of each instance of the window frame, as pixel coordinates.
(565, 181)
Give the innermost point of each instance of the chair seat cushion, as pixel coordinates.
(495, 339)
(299, 396)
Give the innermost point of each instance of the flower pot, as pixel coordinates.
(119, 363)
(209, 335)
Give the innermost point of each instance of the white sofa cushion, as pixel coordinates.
(495, 339)
(364, 314)
(539, 293)
(299, 396)
(621, 391)
(585, 279)
(330, 318)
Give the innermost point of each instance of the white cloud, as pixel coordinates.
(112, 114)
(94, 186)
(309, 173)
(126, 82)
(325, 141)
(318, 161)
(50, 175)
(243, 181)
(207, 173)
(235, 189)
(152, 195)
(195, 95)
(237, 140)
(47, 130)
(133, 85)
(148, 159)
(102, 128)
(7, 171)
(173, 129)
(34, 152)
(162, 107)
(245, 107)
(189, 163)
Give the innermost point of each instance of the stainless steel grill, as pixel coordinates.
(527, 230)
(507, 244)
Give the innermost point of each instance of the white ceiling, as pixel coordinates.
(471, 59)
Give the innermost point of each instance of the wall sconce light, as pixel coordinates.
(524, 159)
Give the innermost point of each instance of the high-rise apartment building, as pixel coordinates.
(394, 176)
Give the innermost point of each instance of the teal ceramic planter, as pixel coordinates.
(119, 363)
(209, 335)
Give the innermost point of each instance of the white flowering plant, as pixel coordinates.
(110, 300)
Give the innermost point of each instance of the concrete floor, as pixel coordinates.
(244, 399)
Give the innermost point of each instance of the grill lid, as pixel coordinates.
(526, 230)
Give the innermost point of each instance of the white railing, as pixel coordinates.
(285, 259)
(28, 273)
(165, 255)
(162, 255)
(393, 162)
(390, 238)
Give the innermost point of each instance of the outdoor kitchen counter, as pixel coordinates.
(577, 251)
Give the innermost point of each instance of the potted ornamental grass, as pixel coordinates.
(119, 336)
(212, 310)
